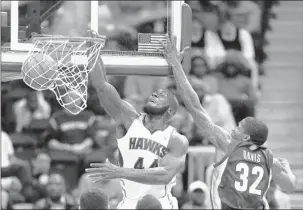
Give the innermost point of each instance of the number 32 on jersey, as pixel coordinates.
(245, 171)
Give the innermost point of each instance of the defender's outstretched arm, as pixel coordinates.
(109, 98)
(219, 137)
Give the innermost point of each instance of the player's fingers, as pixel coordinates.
(96, 165)
(184, 51)
(161, 50)
(93, 170)
(103, 177)
(168, 41)
(174, 40)
(94, 175)
(97, 180)
(163, 44)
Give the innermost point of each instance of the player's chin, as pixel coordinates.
(150, 105)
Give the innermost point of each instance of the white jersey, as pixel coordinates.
(141, 149)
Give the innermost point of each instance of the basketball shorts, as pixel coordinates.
(226, 207)
(167, 202)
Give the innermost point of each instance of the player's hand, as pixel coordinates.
(170, 50)
(102, 171)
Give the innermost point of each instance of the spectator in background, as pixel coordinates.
(199, 66)
(239, 39)
(237, 89)
(32, 107)
(246, 14)
(71, 133)
(198, 196)
(112, 189)
(94, 198)
(57, 198)
(41, 170)
(205, 41)
(13, 170)
(198, 34)
(216, 104)
(149, 202)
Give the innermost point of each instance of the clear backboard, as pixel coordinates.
(132, 28)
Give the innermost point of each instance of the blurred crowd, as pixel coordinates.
(45, 149)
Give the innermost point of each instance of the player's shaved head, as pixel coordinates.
(256, 129)
(149, 202)
(94, 198)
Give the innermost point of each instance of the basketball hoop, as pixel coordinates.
(62, 66)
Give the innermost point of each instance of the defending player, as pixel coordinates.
(247, 167)
(151, 152)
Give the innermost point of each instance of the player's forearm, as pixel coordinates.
(286, 181)
(98, 74)
(109, 98)
(152, 176)
(284, 177)
(189, 96)
(187, 93)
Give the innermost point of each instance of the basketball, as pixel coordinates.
(39, 71)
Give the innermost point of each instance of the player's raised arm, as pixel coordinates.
(219, 137)
(283, 175)
(168, 167)
(109, 98)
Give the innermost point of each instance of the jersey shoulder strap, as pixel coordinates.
(270, 159)
(233, 145)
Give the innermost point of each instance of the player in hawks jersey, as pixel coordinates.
(151, 151)
(247, 167)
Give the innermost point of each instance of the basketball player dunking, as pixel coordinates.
(151, 152)
(247, 167)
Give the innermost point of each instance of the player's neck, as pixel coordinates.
(154, 123)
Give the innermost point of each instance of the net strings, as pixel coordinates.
(71, 70)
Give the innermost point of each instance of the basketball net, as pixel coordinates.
(73, 59)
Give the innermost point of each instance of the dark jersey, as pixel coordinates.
(246, 175)
(71, 129)
(231, 45)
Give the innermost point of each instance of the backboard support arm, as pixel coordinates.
(33, 18)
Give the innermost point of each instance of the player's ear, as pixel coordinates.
(170, 112)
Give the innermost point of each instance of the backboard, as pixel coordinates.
(133, 29)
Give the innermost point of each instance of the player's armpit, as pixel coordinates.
(283, 175)
(219, 137)
(117, 108)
